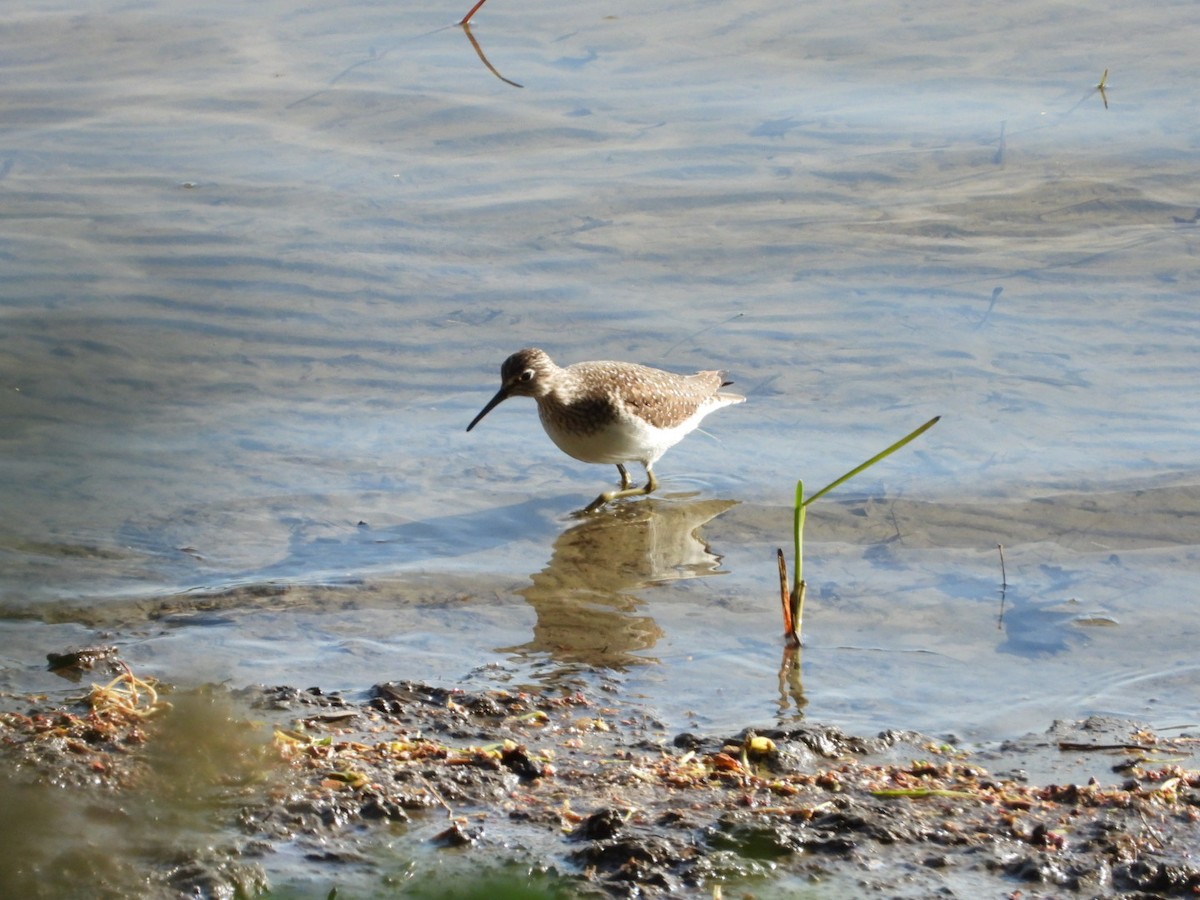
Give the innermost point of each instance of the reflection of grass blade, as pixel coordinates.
(483, 59)
(870, 462)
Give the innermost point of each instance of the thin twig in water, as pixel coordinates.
(425, 781)
(474, 9)
(696, 334)
(1078, 745)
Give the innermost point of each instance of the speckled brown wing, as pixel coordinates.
(665, 399)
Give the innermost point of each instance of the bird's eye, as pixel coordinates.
(527, 375)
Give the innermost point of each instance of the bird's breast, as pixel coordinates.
(597, 433)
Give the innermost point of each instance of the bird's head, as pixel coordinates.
(524, 374)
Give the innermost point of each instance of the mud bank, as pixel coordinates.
(294, 792)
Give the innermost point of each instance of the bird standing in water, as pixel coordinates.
(611, 412)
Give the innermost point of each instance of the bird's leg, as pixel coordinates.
(626, 489)
(651, 482)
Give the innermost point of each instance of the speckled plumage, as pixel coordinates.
(611, 412)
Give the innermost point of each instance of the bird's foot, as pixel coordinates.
(609, 496)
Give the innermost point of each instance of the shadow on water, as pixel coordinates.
(319, 551)
(587, 611)
(1048, 621)
(1034, 628)
(417, 542)
(626, 547)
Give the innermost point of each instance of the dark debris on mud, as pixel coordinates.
(596, 794)
(589, 786)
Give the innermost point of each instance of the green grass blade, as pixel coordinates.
(798, 531)
(870, 462)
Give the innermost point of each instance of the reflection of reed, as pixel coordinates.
(479, 52)
(586, 610)
(791, 685)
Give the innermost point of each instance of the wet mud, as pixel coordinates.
(217, 793)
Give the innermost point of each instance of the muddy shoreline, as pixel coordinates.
(129, 786)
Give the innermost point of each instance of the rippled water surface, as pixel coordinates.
(261, 263)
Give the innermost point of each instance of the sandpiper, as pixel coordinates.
(611, 412)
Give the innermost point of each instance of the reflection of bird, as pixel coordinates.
(611, 412)
(589, 597)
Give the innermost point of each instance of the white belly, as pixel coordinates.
(628, 440)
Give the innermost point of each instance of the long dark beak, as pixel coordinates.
(501, 396)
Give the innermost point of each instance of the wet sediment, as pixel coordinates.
(223, 791)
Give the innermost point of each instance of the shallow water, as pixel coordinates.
(261, 265)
